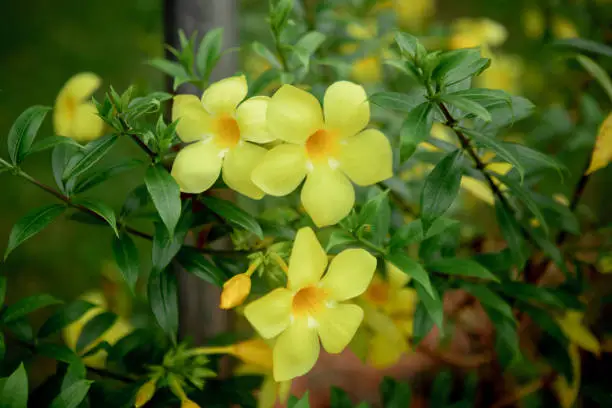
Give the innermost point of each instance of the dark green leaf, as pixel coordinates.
(439, 226)
(25, 306)
(24, 130)
(50, 142)
(165, 247)
(165, 194)
(376, 213)
(529, 293)
(461, 267)
(63, 317)
(103, 210)
(163, 300)
(15, 391)
(395, 394)
(467, 106)
(598, 73)
(339, 238)
(524, 196)
(506, 337)
(531, 157)
(488, 298)
(484, 96)
(545, 322)
(136, 199)
(94, 329)
(441, 188)
(59, 160)
(234, 215)
(441, 390)
(557, 356)
(411, 268)
(100, 176)
(200, 266)
(395, 101)
(340, 399)
(170, 68)
(88, 156)
(31, 224)
(415, 129)
(407, 234)
(75, 372)
(126, 257)
(21, 329)
(209, 52)
(504, 115)
(2, 290)
(72, 396)
(422, 323)
(433, 304)
(498, 147)
(2, 348)
(582, 44)
(512, 233)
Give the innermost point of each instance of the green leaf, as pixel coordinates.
(408, 44)
(484, 96)
(461, 267)
(279, 14)
(339, 398)
(24, 130)
(489, 298)
(2, 349)
(31, 224)
(103, 210)
(72, 396)
(597, 72)
(170, 68)
(441, 390)
(94, 329)
(265, 53)
(2, 290)
(63, 317)
(432, 302)
(407, 234)
(199, 265)
(50, 142)
(529, 293)
(166, 195)
(162, 293)
(339, 237)
(529, 156)
(395, 394)
(395, 101)
(233, 214)
(454, 66)
(506, 337)
(413, 269)
(100, 176)
(440, 225)
(504, 115)
(90, 155)
(545, 322)
(59, 160)
(307, 46)
(14, 394)
(498, 147)
(258, 86)
(376, 213)
(415, 129)
(523, 195)
(441, 188)
(165, 246)
(467, 106)
(511, 231)
(209, 52)
(126, 257)
(581, 44)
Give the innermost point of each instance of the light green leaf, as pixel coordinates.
(411, 268)
(233, 214)
(126, 257)
(166, 195)
(209, 52)
(339, 237)
(72, 396)
(456, 65)
(440, 225)
(200, 266)
(376, 213)
(484, 96)
(415, 129)
(467, 105)
(396, 101)
(24, 130)
(99, 176)
(171, 68)
(441, 188)
(103, 210)
(50, 142)
(307, 46)
(408, 44)
(31, 224)
(63, 317)
(90, 155)
(582, 44)
(303, 402)
(433, 304)
(461, 267)
(597, 72)
(266, 54)
(498, 147)
(407, 234)
(14, 394)
(162, 293)
(94, 329)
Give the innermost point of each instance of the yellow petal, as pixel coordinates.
(327, 196)
(602, 153)
(337, 326)
(578, 333)
(197, 166)
(224, 96)
(281, 170)
(270, 314)
(347, 109)
(479, 189)
(235, 291)
(267, 393)
(397, 279)
(81, 86)
(296, 350)
(187, 403)
(367, 158)
(567, 393)
(384, 352)
(238, 166)
(254, 352)
(251, 118)
(349, 274)
(308, 260)
(293, 114)
(145, 393)
(194, 122)
(367, 70)
(86, 124)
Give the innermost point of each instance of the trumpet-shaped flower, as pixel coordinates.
(74, 116)
(469, 33)
(327, 151)
(221, 129)
(313, 306)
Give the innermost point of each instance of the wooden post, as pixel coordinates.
(200, 316)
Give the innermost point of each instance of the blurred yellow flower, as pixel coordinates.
(505, 73)
(117, 331)
(578, 333)
(367, 70)
(326, 152)
(75, 116)
(413, 14)
(602, 152)
(145, 393)
(470, 33)
(187, 403)
(533, 24)
(313, 306)
(481, 189)
(222, 129)
(563, 28)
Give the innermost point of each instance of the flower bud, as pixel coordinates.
(235, 291)
(145, 393)
(255, 351)
(187, 403)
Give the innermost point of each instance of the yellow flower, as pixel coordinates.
(145, 393)
(533, 23)
(574, 329)
(413, 14)
(74, 115)
(313, 306)
(504, 73)
(117, 331)
(235, 290)
(602, 152)
(187, 403)
(470, 33)
(563, 28)
(367, 70)
(481, 189)
(222, 129)
(323, 151)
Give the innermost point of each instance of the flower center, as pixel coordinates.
(227, 133)
(322, 145)
(378, 293)
(308, 300)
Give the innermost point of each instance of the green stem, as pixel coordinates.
(369, 245)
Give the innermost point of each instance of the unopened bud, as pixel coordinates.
(255, 351)
(235, 291)
(145, 393)
(187, 403)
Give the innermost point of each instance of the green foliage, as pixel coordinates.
(14, 393)
(24, 130)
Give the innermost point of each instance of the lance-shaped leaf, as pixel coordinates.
(24, 130)
(415, 129)
(126, 256)
(163, 300)
(90, 155)
(233, 214)
(31, 224)
(166, 195)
